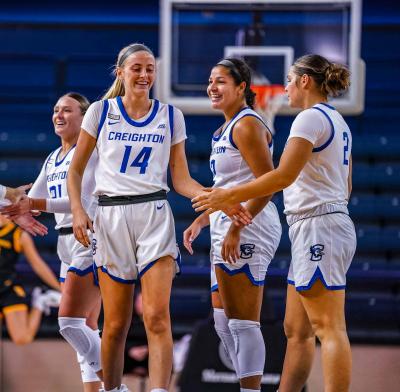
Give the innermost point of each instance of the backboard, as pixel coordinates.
(268, 34)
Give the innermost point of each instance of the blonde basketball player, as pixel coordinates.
(315, 173)
(241, 151)
(80, 300)
(137, 138)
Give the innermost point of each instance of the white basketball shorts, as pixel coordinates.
(130, 238)
(258, 244)
(74, 256)
(322, 248)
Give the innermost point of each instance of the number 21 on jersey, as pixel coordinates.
(141, 160)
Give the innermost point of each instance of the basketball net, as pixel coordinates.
(269, 100)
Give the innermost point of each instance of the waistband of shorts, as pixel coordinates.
(323, 209)
(65, 230)
(123, 200)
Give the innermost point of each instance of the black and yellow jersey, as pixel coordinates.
(10, 247)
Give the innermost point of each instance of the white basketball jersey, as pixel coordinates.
(324, 178)
(133, 154)
(52, 183)
(226, 162)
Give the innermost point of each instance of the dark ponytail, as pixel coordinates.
(240, 72)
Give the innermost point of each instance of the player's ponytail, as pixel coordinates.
(240, 72)
(330, 78)
(117, 88)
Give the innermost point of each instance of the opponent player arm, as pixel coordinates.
(295, 156)
(38, 265)
(81, 221)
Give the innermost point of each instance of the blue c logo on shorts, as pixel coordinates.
(316, 252)
(94, 246)
(246, 251)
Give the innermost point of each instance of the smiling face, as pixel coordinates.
(67, 117)
(222, 89)
(138, 72)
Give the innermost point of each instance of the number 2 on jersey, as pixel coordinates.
(141, 160)
(346, 148)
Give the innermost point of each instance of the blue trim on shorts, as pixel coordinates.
(119, 280)
(317, 275)
(148, 266)
(214, 288)
(60, 279)
(245, 269)
(81, 272)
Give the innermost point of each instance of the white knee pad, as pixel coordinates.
(82, 338)
(222, 329)
(249, 347)
(87, 372)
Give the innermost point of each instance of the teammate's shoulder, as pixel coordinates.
(310, 114)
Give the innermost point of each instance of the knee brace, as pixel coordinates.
(222, 329)
(249, 347)
(87, 373)
(82, 338)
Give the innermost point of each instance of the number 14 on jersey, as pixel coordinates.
(141, 160)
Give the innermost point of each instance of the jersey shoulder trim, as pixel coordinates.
(103, 117)
(332, 135)
(258, 117)
(171, 119)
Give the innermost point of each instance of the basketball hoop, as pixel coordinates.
(269, 100)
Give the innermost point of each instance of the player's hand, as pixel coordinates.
(231, 244)
(19, 208)
(214, 199)
(190, 234)
(15, 194)
(30, 224)
(239, 215)
(81, 223)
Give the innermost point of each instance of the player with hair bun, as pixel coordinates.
(314, 173)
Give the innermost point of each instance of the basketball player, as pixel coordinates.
(137, 138)
(241, 151)
(80, 303)
(315, 173)
(22, 324)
